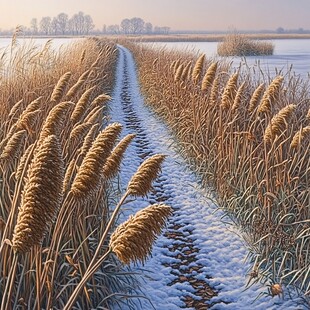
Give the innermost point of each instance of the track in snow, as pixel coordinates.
(198, 262)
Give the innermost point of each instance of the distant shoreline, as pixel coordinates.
(174, 37)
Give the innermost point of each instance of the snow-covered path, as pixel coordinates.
(198, 258)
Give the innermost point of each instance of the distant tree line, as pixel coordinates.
(82, 24)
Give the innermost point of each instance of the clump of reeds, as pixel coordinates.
(236, 44)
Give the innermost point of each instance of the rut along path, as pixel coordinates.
(198, 261)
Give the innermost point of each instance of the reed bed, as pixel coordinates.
(236, 44)
(246, 134)
(58, 164)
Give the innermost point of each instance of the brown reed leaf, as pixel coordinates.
(75, 88)
(132, 241)
(112, 165)
(256, 97)
(81, 105)
(87, 180)
(278, 123)
(42, 196)
(209, 77)
(197, 70)
(300, 136)
(14, 146)
(141, 182)
(229, 92)
(270, 95)
(60, 87)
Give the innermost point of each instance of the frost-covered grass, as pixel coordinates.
(247, 135)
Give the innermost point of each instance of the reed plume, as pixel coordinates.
(178, 73)
(209, 77)
(99, 100)
(27, 121)
(270, 95)
(141, 182)
(16, 108)
(300, 136)
(75, 88)
(14, 146)
(197, 70)
(238, 98)
(87, 180)
(256, 97)
(23, 160)
(95, 115)
(79, 132)
(70, 172)
(54, 122)
(81, 106)
(215, 91)
(278, 123)
(186, 71)
(132, 241)
(229, 92)
(42, 196)
(60, 87)
(89, 139)
(111, 167)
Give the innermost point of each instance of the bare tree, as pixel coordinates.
(148, 28)
(45, 24)
(54, 26)
(126, 26)
(113, 29)
(62, 20)
(137, 25)
(88, 24)
(34, 26)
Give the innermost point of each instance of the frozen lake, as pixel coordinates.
(287, 52)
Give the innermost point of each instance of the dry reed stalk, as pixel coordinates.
(215, 91)
(99, 101)
(81, 106)
(178, 73)
(54, 122)
(278, 123)
(186, 71)
(75, 88)
(87, 180)
(15, 110)
(89, 139)
(14, 146)
(256, 97)
(238, 98)
(82, 56)
(141, 182)
(300, 136)
(209, 77)
(95, 115)
(70, 172)
(270, 95)
(308, 115)
(112, 165)
(21, 165)
(132, 241)
(229, 92)
(42, 196)
(27, 121)
(60, 87)
(197, 70)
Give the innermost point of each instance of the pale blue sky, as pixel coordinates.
(177, 14)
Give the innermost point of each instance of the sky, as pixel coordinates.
(207, 15)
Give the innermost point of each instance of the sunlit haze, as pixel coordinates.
(207, 15)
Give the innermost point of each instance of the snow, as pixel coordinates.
(221, 251)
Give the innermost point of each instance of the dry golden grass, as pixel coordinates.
(247, 136)
(57, 173)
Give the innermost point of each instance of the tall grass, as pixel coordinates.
(58, 161)
(247, 135)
